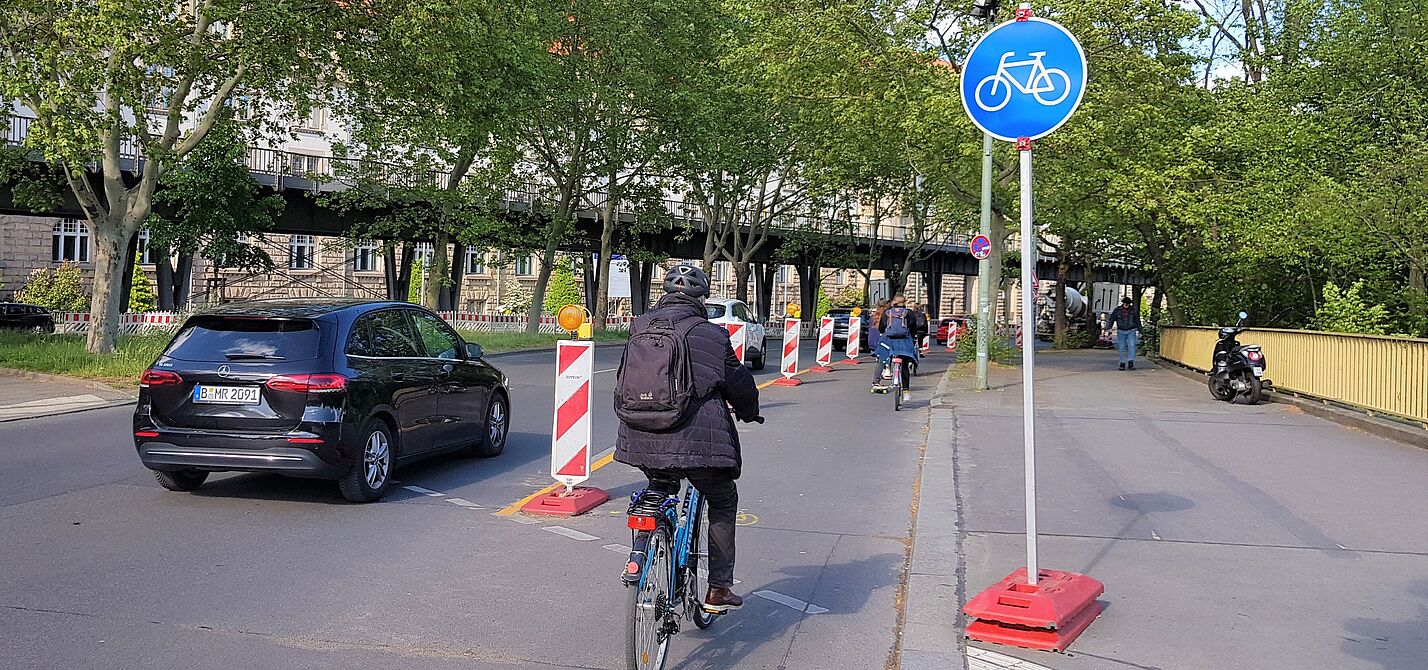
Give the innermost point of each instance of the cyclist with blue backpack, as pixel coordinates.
(899, 327)
(677, 381)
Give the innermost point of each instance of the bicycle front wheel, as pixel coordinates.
(647, 635)
(697, 577)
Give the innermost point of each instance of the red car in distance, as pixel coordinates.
(946, 326)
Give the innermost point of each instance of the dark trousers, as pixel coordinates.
(717, 487)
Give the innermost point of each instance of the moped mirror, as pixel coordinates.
(1244, 315)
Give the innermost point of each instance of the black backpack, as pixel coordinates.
(897, 323)
(654, 388)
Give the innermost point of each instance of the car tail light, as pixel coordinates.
(159, 378)
(321, 383)
(146, 433)
(305, 440)
(641, 522)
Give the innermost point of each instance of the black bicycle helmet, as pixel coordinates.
(688, 280)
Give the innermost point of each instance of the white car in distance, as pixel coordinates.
(725, 311)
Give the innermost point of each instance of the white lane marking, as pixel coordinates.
(1153, 536)
(525, 520)
(572, 534)
(1341, 546)
(425, 492)
(618, 548)
(982, 659)
(464, 503)
(790, 601)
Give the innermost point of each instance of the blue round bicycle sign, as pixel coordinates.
(1024, 79)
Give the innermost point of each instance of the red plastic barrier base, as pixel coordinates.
(852, 361)
(557, 503)
(788, 381)
(1047, 616)
(820, 369)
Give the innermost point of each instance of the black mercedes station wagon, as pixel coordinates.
(321, 388)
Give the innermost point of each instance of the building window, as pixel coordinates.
(721, 271)
(364, 256)
(524, 266)
(144, 253)
(475, 262)
(302, 250)
(783, 273)
(301, 164)
(423, 252)
(315, 121)
(69, 241)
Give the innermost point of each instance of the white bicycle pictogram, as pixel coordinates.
(1041, 80)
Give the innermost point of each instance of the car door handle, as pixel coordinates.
(398, 376)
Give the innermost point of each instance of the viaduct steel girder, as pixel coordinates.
(304, 215)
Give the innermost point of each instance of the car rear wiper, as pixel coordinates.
(253, 357)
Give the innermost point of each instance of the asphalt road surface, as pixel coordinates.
(104, 569)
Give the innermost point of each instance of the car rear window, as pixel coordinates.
(715, 311)
(246, 339)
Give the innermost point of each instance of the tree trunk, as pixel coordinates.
(127, 290)
(607, 236)
(543, 278)
(436, 273)
(451, 297)
(1063, 275)
(108, 237)
(741, 282)
(183, 280)
(994, 274)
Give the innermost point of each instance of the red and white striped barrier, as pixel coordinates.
(135, 323)
(952, 342)
(738, 339)
(789, 367)
(571, 435)
(130, 323)
(824, 358)
(1018, 337)
(854, 345)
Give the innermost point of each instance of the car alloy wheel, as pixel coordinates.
(377, 459)
(496, 424)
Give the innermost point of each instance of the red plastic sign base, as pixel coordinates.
(1046, 616)
(852, 361)
(788, 381)
(820, 369)
(557, 503)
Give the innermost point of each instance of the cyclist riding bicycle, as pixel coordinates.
(899, 327)
(702, 444)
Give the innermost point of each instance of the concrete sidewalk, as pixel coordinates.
(1227, 536)
(27, 395)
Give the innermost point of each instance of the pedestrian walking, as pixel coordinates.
(1126, 319)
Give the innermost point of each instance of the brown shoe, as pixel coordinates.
(721, 600)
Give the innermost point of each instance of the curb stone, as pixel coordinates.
(87, 383)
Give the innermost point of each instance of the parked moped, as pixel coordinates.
(1237, 370)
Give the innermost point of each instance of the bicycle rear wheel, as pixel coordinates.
(646, 633)
(696, 580)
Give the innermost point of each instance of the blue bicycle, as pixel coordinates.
(670, 546)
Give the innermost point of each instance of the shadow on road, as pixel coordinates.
(449, 470)
(734, 637)
(1393, 645)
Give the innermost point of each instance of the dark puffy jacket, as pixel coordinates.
(707, 437)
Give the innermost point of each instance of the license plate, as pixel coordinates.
(225, 395)
(1259, 372)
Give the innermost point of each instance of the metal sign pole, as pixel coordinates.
(1028, 354)
(984, 269)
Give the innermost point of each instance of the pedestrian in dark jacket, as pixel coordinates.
(704, 447)
(1127, 321)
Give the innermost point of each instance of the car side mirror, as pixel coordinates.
(473, 351)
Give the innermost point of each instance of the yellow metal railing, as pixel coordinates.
(1377, 374)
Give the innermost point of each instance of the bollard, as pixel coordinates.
(853, 347)
(825, 346)
(789, 368)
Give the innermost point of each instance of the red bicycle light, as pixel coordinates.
(159, 378)
(319, 383)
(642, 522)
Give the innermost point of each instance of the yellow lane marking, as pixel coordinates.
(514, 507)
(771, 381)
